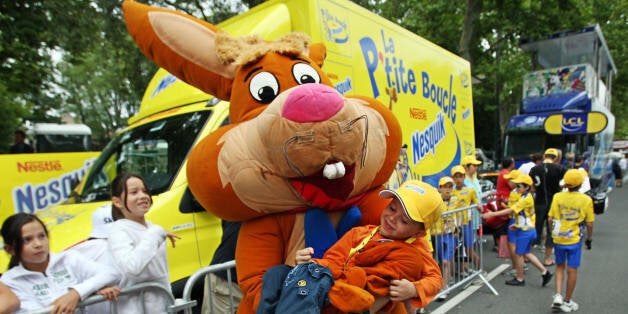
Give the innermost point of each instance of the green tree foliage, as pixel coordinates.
(75, 56)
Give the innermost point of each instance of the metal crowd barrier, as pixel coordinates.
(461, 268)
(139, 289)
(186, 303)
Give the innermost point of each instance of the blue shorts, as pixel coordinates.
(512, 234)
(445, 246)
(468, 236)
(569, 252)
(524, 239)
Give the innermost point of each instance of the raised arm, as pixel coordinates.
(132, 258)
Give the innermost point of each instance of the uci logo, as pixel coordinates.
(572, 123)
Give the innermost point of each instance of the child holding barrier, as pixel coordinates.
(371, 265)
(467, 197)
(138, 247)
(40, 278)
(570, 210)
(445, 233)
(524, 232)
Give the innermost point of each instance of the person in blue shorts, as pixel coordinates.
(445, 231)
(570, 210)
(524, 231)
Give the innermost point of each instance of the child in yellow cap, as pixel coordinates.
(524, 231)
(466, 197)
(390, 262)
(568, 211)
(445, 239)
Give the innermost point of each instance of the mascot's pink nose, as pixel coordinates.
(312, 103)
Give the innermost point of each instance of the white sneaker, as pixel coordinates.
(442, 297)
(570, 306)
(557, 302)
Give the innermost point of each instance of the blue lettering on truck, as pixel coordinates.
(31, 198)
(403, 79)
(425, 141)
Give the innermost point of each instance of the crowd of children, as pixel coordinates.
(384, 266)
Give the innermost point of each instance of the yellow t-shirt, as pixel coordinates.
(568, 210)
(448, 223)
(512, 200)
(524, 212)
(466, 196)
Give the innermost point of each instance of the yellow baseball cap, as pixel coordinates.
(513, 174)
(444, 180)
(573, 178)
(457, 169)
(524, 178)
(421, 201)
(470, 160)
(551, 151)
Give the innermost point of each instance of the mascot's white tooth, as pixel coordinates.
(329, 171)
(334, 171)
(340, 169)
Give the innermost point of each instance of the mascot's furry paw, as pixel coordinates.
(355, 276)
(349, 298)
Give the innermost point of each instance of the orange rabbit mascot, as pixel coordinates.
(294, 143)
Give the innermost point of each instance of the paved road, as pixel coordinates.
(602, 285)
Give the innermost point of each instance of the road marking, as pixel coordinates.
(467, 292)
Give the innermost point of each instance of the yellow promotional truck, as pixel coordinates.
(427, 87)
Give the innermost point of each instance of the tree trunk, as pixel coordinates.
(471, 16)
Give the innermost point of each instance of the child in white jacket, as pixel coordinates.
(40, 278)
(137, 246)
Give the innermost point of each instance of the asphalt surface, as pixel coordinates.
(602, 285)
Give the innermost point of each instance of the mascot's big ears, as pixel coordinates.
(203, 56)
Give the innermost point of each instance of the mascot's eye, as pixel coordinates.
(305, 73)
(264, 87)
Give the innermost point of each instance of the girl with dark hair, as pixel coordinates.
(138, 247)
(40, 278)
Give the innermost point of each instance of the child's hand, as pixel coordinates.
(587, 243)
(304, 255)
(402, 290)
(172, 237)
(66, 303)
(110, 293)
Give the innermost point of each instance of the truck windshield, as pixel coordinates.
(521, 145)
(155, 150)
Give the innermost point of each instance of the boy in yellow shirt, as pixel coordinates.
(569, 210)
(444, 231)
(524, 231)
(466, 197)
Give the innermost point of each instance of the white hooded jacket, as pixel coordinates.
(139, 253)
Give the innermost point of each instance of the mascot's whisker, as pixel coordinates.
(291, 164)
(347, 126)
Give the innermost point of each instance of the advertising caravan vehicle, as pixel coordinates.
(429, 92)
(567, 104)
